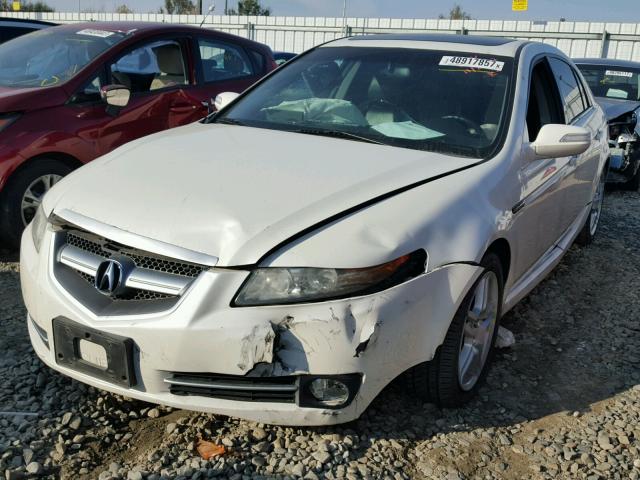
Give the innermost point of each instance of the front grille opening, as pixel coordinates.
(105, 248)
(230, 387)
(135, 294)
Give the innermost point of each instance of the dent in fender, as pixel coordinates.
(285, 346)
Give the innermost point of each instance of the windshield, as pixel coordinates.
(51, 56)
(420, 99)
(612, 82)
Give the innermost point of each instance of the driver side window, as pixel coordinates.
(544, 104)
(152, 66)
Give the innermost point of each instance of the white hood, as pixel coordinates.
(236, 192)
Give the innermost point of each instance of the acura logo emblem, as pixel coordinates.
(109, 277)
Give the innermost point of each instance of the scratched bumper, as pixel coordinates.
(378, 336)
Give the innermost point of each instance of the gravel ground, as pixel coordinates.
(564, 402)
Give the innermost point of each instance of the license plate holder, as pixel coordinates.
(67, 337)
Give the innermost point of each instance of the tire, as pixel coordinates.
(633, 184)
(590, 228)
(440, 381)
(36, 178)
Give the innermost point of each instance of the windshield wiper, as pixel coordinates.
(337, 134)
(228, 121)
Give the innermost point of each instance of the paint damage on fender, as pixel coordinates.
(286, 346)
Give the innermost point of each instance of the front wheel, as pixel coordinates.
(590, 228)
(23, 194)
(633, 184)
(462, 361)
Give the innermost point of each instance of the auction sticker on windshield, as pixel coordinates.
(95, 33)
(472, 62)
(616, 73)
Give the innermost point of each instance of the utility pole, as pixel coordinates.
(344, 16)
(199, 7)
(226, 7)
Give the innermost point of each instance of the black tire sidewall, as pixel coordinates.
(444, 382)
(11, 227)
(585, 237)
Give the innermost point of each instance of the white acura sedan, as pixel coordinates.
(370, 209)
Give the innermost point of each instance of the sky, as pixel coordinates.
(571, 10)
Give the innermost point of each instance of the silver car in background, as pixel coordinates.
(616, 86)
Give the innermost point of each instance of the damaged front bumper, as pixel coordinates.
(192, 355)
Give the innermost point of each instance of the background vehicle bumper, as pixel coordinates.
(378, 336)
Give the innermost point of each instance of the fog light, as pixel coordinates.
(329, 392)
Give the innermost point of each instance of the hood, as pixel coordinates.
(25, 99)
(613, 108)
(236, 192)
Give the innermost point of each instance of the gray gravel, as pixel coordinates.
(564, 402)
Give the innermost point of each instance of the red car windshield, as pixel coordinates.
(52, 56)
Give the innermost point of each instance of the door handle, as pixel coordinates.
(573, 161)
(182, 107)
(597, 135)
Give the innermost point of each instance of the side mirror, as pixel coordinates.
(224, 99)
(115, 95)
(557, 140)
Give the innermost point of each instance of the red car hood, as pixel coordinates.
(26, 99)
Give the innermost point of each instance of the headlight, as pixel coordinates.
(38, 227)
(280, 286)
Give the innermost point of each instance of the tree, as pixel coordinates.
(179, 7)
(123, 9)
(250, 7)
(456, 13)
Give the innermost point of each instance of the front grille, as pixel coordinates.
(152, 277)
(137, 294)
(105, 248)
(231, 387)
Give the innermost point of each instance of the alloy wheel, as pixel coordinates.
(478, 329)
(33, 195)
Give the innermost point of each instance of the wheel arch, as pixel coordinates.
(69, 160)
(502, 249)
(65, 158)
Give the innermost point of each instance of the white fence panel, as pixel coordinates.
(296, 34)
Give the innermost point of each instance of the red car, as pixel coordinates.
(55, 84)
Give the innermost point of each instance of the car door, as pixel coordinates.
(224, 67)
(538, 216)
(580, 170)
(156, 72)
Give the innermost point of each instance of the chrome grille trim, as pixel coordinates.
(140, 278)
(81, 260)
(159, 282)
(134, 240)
(203, 383)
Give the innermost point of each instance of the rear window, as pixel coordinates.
(223, 61)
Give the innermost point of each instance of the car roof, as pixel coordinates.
(149, 28)
(7, 21)
(609, 62)
(482, 44)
